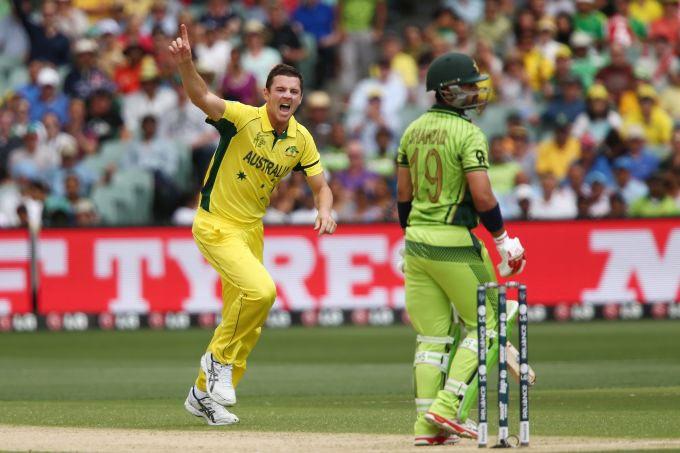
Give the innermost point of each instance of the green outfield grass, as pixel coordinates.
(603, 379)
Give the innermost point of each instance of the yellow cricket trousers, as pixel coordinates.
(248, 291)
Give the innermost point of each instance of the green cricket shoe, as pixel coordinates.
(427, 435)
(443, 414)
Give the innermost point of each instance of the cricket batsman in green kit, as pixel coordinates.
(443, 193)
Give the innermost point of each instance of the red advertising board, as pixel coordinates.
(141, 270)
(15, 277)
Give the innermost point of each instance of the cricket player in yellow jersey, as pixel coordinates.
(443, 192)
(258, 146)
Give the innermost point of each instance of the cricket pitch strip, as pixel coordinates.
(25, 438)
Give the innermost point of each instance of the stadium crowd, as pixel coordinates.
(583, 116)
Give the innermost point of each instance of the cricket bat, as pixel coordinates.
(513, 364)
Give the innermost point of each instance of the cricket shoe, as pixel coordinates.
(443, 438)
(218, 380)
(467, 428)
(206, 408)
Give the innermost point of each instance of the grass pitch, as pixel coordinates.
(598, 379)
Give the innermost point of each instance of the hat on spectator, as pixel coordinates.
(253, 26)
(108, 27)
(523, 192)
(547, 24)
(580, 39)
(646, 91)
(48, 76)
(598, 91)
(318, 99)
(635, 132)
(375, 93)
(85, 46)
(32, 129)
(563, 52)
(623, 163)
(596, 177)
(562, 121)
(68, 148)
(149, 70)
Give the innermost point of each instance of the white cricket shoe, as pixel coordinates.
(206, 408)
(218, 380)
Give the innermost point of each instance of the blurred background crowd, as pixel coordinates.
(95, 128)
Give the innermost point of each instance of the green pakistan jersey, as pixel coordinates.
(439, 148)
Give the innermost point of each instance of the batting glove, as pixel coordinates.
(512, 255)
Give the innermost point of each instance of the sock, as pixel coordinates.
(199, 393)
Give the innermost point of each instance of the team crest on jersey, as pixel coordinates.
(259, 141)
(291, 151)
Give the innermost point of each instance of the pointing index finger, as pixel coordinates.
(185, 35)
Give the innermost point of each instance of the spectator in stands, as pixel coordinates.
(672, 161)
(576, 180)
(564, 21)
(523, 151)
(589, 19)
(214, 51)
(134, 35)
(86, 139)
(617, 207)
(469, 11)
(186, 125)
(86, 213)
(503, 170)
(569, 103)
(8, 141)
(85, 77)
(318, 119)
(586, 61)
(362, 23)
(238, 84)
(103, 117)
(47, 42)
(21, 111)
(599, 119)
(70, 165)
(618, 76)
(524, 193)
(318, 19)
(14, 42)
(415, 45)
(557, 153)
(31, 161)
(151, 99)
(127, 76)
(71, 21)
(401, 63)
(644, 163)
(657, 59)
(50, 98)
(513, 87)
(356, 177)
(282, 36)
(669, 97)
(159, 17)
(220, 13)
(258, 58)
(158, 156)
(31, 90)
(656, 124)
(668, 24)
(393, 96)
(383, 162)
(494, 26)
(622, 28)
(657, 202)
(599, 194)
(553, 202)
(593, 161)
(630, 188)
(54, 138)
(110, 54)
(646, 11)
(561, 74)
(366, 126)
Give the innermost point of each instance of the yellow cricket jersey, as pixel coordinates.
(250, 160)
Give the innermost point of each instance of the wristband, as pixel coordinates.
(403, 209)
(492, 219)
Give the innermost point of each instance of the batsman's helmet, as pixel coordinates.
(448, 72)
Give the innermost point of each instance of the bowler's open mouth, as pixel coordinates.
(285, 108)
